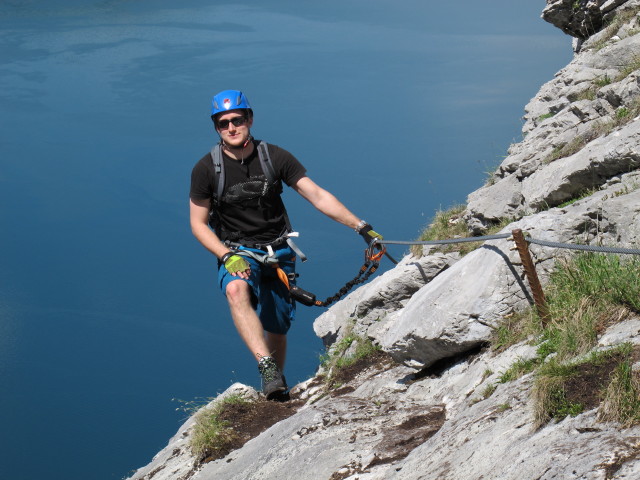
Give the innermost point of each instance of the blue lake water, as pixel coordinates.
(108, 307)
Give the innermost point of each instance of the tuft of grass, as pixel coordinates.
(550, 395)
(445, 224)
(212, 435)
(515, 328)
(587, 192)
(622, 397)
(587, 94)
(364, 348)
(603, 278)
(553, 398)
(602, 81)
(545, 116)
(521, 367)
(622, 112)
(450, 224)
(488, 391)
(336, 360)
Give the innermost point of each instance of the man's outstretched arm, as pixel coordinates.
(325, 202)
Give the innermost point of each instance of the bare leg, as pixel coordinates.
(277, 344)
(246, 320)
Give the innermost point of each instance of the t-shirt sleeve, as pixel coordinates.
(201, 180)
(289, 167)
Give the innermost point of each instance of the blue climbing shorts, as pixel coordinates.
(271, 298)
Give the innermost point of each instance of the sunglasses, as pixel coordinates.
(237, 122)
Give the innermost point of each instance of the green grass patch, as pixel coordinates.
(602, 81)
(450, 224)
(550, 400)
(515, 328)
(521, 367)
(212, 435)
(336, 361)
(567, 389)
(622, 396)
(586, 293)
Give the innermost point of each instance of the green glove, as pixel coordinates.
(234, 263)
(369, 234)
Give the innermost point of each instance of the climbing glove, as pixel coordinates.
(234, 263)
(369, 234)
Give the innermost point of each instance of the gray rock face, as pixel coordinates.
(367, 307)
(589, 112)
(438, 322)
(442, 411)
(578, 18)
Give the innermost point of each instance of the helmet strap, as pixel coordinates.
(242, 148)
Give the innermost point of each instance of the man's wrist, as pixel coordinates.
(360, 226)
(226, 256)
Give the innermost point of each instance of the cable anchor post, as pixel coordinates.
(532, 277)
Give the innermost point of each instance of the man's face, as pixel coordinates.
(234, 135)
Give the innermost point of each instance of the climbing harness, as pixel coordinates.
(371, 264)
(372, 257)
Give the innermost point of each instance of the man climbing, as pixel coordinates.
(237, 213)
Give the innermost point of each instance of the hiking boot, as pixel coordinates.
(273, 382)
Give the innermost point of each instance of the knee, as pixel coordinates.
(238, 292)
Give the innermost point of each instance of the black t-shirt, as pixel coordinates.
(261, 219)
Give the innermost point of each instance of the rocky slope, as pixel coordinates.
(438, 410)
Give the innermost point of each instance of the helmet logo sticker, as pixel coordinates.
(227, 103)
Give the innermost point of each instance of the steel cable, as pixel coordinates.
(588, 248)
(446, 241)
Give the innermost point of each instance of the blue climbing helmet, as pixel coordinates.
(229, 100)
